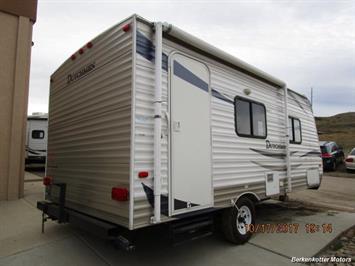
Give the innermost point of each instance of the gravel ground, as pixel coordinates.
(341, 172)
(341, 247)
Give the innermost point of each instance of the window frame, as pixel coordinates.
(40, 130)
(250, 120)
(293, 130)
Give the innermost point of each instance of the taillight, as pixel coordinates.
(349, 160)
(47, 180)
(119, 194)
(143, 174)
(326, 155)
(126, 27)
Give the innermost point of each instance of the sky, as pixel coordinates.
(308, 44)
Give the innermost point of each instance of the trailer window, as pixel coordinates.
(295, 133)
(37, 134)
(250, 118)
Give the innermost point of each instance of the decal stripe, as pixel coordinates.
(220, 96)
(296, 100)
(185, 74)
(311, 154)
(32, 151)
(146, 48)
(164, 201)
(280, 155)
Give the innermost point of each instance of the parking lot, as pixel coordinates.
(23, 244)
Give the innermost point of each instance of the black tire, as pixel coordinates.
(229, 222)
(315, 187)
(283, 198)
(334, 166)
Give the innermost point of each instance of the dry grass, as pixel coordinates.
(339, 128)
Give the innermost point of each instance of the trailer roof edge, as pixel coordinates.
(203, 47)
(218, 53)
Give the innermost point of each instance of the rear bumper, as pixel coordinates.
(327, 163)
(85, 222)
(350, 166)
(57, 211)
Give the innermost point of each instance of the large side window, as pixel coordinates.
(295, 132)
(250, 118)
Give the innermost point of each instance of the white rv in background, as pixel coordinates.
(36, 138)
(149, 124)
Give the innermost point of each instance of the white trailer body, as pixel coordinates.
(36, 139)
(222, 129)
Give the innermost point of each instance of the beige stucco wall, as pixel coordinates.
(15, 54)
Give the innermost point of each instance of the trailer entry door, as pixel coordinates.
(191, 180)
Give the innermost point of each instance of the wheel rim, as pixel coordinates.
(243, 219)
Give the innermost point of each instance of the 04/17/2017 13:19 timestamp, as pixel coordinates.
(292, 228)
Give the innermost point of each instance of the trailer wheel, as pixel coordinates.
(235, 221)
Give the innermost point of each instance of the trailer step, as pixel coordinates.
(191, 229)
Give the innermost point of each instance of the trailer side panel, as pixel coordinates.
(90, 126)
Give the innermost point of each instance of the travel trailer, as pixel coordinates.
(149, 125)
(36, 138)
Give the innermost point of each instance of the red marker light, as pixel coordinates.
(81, 51)
(126, 27)
(143, 174)
(326, 155)
(73, 57)
(47, 180)
(119, 194)
(89, 45)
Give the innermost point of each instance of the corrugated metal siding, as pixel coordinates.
(299, 107)
(236, 167)
(232, 166)
(90, 126)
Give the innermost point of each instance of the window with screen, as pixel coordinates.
(37, 134)
(294, 130)
(250, 118)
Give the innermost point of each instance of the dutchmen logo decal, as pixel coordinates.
(80, 73)
(275, 146)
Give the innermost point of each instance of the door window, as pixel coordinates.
(37, 134)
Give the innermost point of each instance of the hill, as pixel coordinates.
(339, 128)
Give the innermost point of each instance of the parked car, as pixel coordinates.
(332, 155)
(350, 160)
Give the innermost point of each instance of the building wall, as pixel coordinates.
(15, 53)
